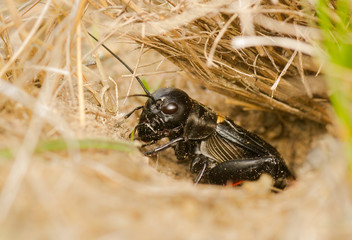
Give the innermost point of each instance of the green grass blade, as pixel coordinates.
(334, 19)
(62, 144)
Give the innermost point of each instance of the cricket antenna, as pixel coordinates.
(125, 64)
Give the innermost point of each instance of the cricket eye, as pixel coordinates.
(169, 108)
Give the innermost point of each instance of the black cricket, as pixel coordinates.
(219, 151)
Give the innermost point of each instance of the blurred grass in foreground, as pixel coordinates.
(334, 18)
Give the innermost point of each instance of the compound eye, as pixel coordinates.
(169, 108)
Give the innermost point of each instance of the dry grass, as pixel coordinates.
(206, 41)
(50, 90)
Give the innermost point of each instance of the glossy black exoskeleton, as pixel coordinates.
(219, 151)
